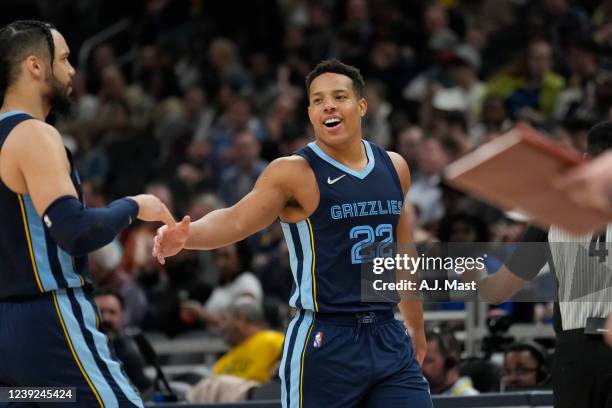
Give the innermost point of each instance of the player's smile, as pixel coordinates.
(333, 123)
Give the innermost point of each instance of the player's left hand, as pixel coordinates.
(419, 343)
(170, 240)
(608, 334)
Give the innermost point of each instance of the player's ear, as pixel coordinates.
(362, 106)
(34, 66)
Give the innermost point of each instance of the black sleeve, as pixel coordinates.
(531, 254)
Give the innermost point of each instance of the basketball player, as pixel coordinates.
(338, 351)
(582, 371)
(49, 333)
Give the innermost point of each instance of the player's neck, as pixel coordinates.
(351, 154)
(25, 100)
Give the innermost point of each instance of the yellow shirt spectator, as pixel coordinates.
(534, 76)
(254, 358)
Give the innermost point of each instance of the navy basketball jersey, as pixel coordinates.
(356, 209)
(30, 261)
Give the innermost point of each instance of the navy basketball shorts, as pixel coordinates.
(53, 341)
(347, 361)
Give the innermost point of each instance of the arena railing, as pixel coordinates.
(530, 399)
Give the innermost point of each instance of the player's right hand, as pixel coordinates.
(151, 208)
(170, 240)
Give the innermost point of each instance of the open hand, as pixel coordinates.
(170, 240)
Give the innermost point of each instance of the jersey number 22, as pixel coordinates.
(373, 242)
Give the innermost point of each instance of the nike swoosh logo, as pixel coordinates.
(330, 181)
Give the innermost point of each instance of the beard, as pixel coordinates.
(59, 99)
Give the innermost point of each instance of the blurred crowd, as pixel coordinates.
(194, 98)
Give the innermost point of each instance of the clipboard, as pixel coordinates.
(516, 171)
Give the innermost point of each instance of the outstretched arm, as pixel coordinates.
(532, 253)
(257, 210)
(35, 163)
(495, 288)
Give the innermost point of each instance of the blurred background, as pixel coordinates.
(189, 100)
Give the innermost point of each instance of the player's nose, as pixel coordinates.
(329, 105)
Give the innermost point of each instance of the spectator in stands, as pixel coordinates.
(237, 180)
(180, 281)
(579, 98)
(376, 126)
(408, 142)
(560, 21)
(440, 366)
(468, 91)
(254, 351)
(105, 267)
(493, 120)
(525, 366)
(462, 227)
(282, 121)
(111, 307)
(237, 118)
(233, 262)
(531, 87)
(191, 122)
(263, 87)
(103, 57)
(425, 192)
(223, 65)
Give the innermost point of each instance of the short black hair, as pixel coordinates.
(20, 39)
(539, 354)
(448, 345)
(599, 138)
(336, 67)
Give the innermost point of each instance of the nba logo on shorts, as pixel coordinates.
(318, 340)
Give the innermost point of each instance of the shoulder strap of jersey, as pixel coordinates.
(307, 154)
(382, 154)
(8, 123)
